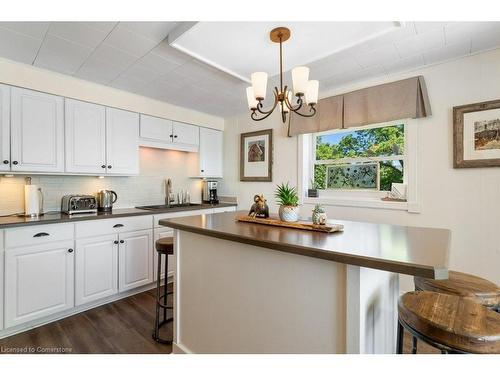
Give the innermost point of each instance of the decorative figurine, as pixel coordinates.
(319, 215)
(259, 209)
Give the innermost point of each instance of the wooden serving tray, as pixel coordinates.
(304, 225)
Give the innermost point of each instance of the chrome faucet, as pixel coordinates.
(169, 195)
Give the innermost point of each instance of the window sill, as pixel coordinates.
(364, 202)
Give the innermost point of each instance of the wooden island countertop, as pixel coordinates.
(400, 249)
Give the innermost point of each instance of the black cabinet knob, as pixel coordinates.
(171, 136)
(203, 170)
(109, 167)
(15, 163)
(70, 250)
(175, 136)
(121, 241)
(6, 162)
(103, 166)
(115, 242)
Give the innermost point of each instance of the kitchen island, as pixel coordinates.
(251, 288)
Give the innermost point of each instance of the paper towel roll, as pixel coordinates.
(31, 200)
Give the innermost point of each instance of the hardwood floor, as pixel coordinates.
(121, 327)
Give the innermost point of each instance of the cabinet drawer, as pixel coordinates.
(38, 234)
(179, 214)
(110, 226)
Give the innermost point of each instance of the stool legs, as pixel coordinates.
(161, 302)
(399, 345)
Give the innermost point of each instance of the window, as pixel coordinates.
(364, 159)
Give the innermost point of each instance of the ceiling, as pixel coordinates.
(249, 41)
(136, 56)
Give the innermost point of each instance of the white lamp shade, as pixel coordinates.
(312, 92)
(259, 84)
(300, 77)
(252, 102)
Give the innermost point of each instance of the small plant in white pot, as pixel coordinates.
(288, 200)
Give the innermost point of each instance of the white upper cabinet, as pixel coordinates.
(4, 128)
(186, 134)
(37, 128)
(85, 137)
(122, 142)
(211, 153)
(156, 129)
(161, 133)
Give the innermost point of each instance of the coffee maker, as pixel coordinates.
(209, 193)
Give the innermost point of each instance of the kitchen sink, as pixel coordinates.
(164, 206)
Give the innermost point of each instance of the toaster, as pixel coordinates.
(78, 204)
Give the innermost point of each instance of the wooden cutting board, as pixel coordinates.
(304, 225)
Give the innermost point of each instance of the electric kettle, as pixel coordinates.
(105, 200)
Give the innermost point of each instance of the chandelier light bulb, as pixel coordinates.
(312, 92)
(300, 77)
(252, 102)
(259, 85)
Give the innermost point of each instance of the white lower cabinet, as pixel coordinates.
(96, 268)
(135, 259)
(161, 233)
(39, 281)
(1, 279)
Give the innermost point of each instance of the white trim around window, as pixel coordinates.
(362, 198)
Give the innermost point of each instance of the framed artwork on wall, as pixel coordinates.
(476, 135)
(256, 156)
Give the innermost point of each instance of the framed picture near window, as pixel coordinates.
(256, 156)
(476, 135)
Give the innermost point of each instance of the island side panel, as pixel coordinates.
(238, 298)
(371, 317)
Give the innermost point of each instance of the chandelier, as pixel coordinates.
(305, 91)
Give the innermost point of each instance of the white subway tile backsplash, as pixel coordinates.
(146, 188)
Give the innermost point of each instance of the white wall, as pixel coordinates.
(147, 188)
(467, 201)
(31, 77)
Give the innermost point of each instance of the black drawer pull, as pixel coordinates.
(41, 234)
(70, 250)
(6, 162)
(121, 241)
(115, 242)
(117, 225)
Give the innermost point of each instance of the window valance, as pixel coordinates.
(372, 105)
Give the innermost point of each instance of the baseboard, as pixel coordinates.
(75, 310)
(178, 348)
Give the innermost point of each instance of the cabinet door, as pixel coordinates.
(85, 137)
(38, 281)
(210, 153)
(135, 259)
(122, 142)
(1, 279)
(156, 129)
(4, 128)
(186, 134)
(161, 233)
(96, 268)
(37, 131)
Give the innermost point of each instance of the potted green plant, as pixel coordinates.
(319, 215)
(288, 200)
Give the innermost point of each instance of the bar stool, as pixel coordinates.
(450, 323)
(463, 285)
(164, 247)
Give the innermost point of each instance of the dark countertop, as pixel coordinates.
(53, 218)
(407, 250)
